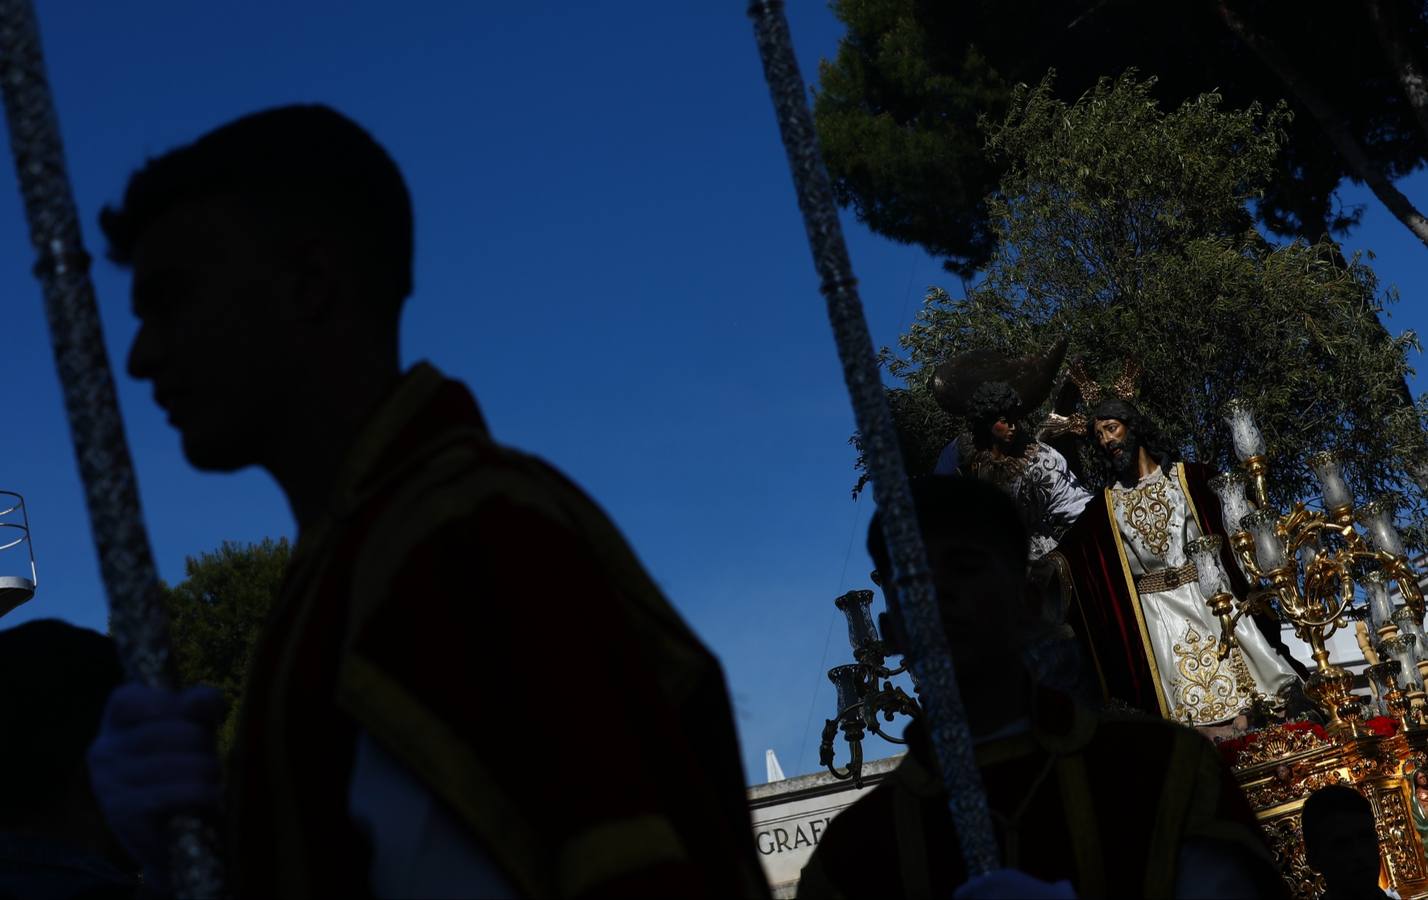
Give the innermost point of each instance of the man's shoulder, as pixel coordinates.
(1129, 740)
(460, 472)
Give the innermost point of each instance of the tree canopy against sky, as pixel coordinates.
(217, 613)
(897, 108)
(1125, 228)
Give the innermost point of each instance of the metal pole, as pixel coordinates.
(126, 563)
(932, 663)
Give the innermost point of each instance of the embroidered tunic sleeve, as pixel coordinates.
(1068, 497)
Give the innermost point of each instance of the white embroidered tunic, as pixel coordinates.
(1155, 523)
(1047, 493)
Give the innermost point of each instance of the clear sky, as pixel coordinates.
(608, 252)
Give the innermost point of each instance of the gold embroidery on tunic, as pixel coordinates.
(1147, 510)
(1207, 690)
(1249, 688)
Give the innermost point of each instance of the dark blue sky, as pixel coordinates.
(608, 252)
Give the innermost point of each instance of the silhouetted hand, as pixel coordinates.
(156, 756)
(1006, 883)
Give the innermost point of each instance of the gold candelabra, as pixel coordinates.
(1307, 564)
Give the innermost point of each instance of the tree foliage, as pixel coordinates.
(1126, 229)
(217, 613)
(897, 108)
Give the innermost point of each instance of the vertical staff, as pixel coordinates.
(945, 717)
(126, 563)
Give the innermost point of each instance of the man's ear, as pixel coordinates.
(312, 280)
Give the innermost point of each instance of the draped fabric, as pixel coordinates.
(1155, 522)
(479, 617)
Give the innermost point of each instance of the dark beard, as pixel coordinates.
(1125, 465)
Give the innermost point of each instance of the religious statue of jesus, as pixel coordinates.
(1151, 637)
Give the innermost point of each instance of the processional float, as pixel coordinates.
(126, 562)
(1320, 570)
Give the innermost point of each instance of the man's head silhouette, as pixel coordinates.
(54, 681)
(976, 550)
(1341, 841)
(271, 258)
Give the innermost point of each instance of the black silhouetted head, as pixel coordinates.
(1341, 840)
(54, 681)
(274, 247)
(976, 548)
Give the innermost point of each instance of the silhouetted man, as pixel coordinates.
(469, 685)
(54, 843)
(1120, 807)
(1341, 843)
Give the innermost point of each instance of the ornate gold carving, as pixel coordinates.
(1372, 765)
(1278, 742)
(1283, 768)
(1207, 689)
(1286, 842)
(1290, 783)
(1147, 509)
(1397, 837)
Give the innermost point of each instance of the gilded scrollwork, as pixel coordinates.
(1291, 785)
(1286, 842)
(1372, 766)
(1398, 837)
(1206, 689)
(1278, 742)
(1147, 509)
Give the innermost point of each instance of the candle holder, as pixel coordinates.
(1268, 547)
(1383, 677)
(1327, 466)
(1309, 559)
(1379, 603)
(1411, 623)
(1204, 552)
(1418, 471)
(1249, 447)
(863, 705)
(1230, 488)
(1404, 648)
(1377, 517)
(856, 606)
(1313, 562)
